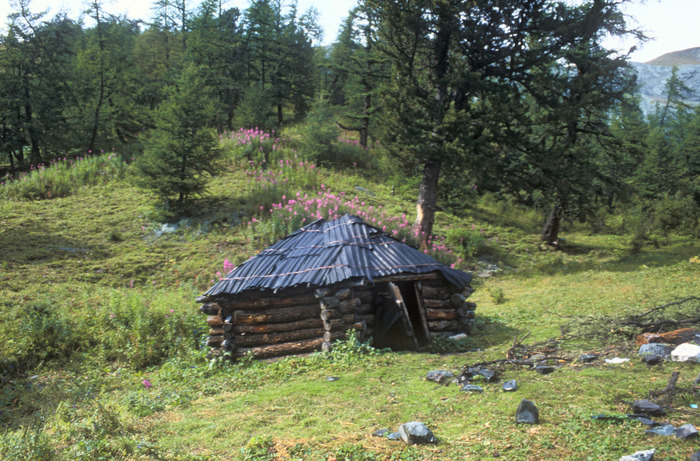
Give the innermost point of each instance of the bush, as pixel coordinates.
(470, 241)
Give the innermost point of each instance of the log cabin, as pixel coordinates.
(307, 290)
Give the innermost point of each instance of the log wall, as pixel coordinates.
(446, 308)
(290, 322)
(300, 320)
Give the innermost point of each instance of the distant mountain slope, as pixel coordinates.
(678, 58)
(652, 76)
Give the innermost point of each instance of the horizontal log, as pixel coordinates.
(334, 324)
(441, 314)
(349, 305)
(263, 303)
(215, 321)
(278, 315)
(359, 326)
(330, 336)
(277, 338)
(367, 318)
(216, 332)
(439, 282)
(441, 325)
(228, 345)
(215, 341)
(229, 335)
(278, 327)
(436, 292)
(328, 314)
(210, 309)
(322, 292)
(365, 308)
(366, 297)
(345, 293)
(436, 303)
(329, 302)
(276, 350)
(348, 319)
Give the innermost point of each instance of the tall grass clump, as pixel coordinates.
(62, 177)
(135, 327)
(254, 145)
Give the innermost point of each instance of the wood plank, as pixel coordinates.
(277, 338)
(278, 327)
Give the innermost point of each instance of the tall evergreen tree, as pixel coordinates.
(181, 152)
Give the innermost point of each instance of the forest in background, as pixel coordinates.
(465, 99)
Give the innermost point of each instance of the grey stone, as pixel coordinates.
(416, 433)
(380, 433)
(646, 455)
(648, 408)
(662, 350)
(510, 386)
(527, 413)
(644, 420)
(652, 359)
(472, 388)
(686, 431)
(666, 429)
(686, 352)
(543, 369)
(588, 358)
(394, 436)
(440, 376)
(332, 378)
(695, 456)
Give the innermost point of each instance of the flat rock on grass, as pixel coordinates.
(440, 376)
(686, 431)
(662, 350)
(416, 433)
(648, 408)
(646, 455)
(686, 353)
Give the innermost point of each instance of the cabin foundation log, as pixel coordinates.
(442, 325)
(277, 338)
(276, 350)
(215, 321)
(432, 303)
(328, 314)
(210, 309)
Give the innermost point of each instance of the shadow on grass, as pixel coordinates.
(490, 331)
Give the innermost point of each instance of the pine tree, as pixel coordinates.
(181, 151)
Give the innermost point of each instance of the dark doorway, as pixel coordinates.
(416, 313)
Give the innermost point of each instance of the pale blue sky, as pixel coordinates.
(673, 24)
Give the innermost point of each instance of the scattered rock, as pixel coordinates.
(662, 350)
(665, 429)
(544, 369)
(617, 360)
(510, 386)
(686, 431)
(477, 372)
(652, 359)
(472, 388)
(380, 433)
(458, 337)
(646, 455)
(588, 358)
(332, 378)
(695, 456)
(416, 433)
(394, 436)
(686, 353)
(648, 408)
(527, 413)
(644, 420)
(440, 376)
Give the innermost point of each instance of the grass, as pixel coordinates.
(97, 298)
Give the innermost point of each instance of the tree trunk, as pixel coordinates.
(550, 232)
(427, 201)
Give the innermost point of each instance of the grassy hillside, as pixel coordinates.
(102, 354)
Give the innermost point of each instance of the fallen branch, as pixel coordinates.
(675, 303)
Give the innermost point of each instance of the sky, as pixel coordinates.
(672, 25)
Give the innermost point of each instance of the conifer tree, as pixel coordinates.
(181, 152)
